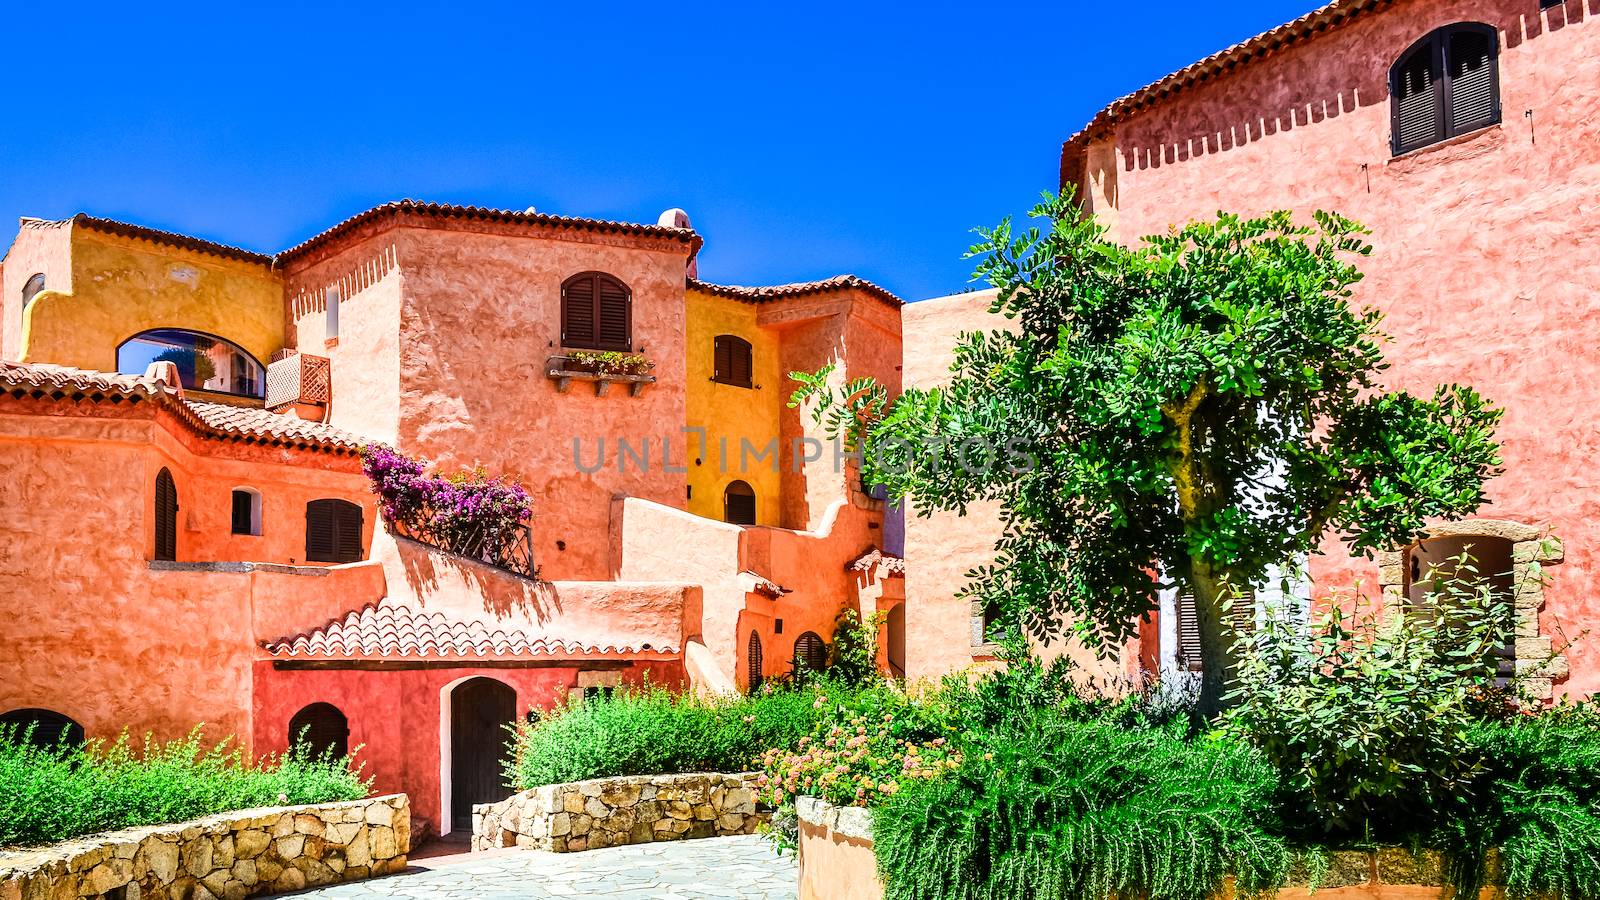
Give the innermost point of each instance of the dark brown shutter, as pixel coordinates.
(577, 312)
(1469, 57)
(1189, 657)
(333, 531)
(740, 362)
(722, 359)
(616, 331)
(1418, 119)
(753, 655)
(242, 509)
(739, 504)
(731, 361)
(811, 651)
(166, 516)
(322, 728)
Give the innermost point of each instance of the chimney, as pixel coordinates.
(677, 218)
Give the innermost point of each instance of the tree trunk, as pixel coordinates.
(1219, 633)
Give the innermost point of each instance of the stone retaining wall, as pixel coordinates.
(229, 855)
(837, 863)
(605, 812)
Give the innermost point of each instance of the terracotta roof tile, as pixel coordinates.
(388, 629)
(450, 210)
(797, 289)
(212, 419)
(1307, 26)
(170, 238)
(888, 562)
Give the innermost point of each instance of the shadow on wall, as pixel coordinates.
(1306, 89)
(430, 572)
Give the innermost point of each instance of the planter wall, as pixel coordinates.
(229, 855)
(837, 863)
(605, 812)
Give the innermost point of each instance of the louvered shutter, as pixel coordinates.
(577, 312)
(1188, 634)
(166, 516)
(347, 532)
(739, 504)
(242, 509)
(319, 531)
(1418, 116)
(811, 651)
(753, 654)
(1469, 57)
(739, 363)
(615, 315)
(722, 360)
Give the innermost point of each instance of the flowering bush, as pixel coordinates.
(610, 362)
(865, 748)
(468, 512)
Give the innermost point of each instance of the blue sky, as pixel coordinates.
(803, 139)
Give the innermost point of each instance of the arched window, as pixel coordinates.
(246, 511)
(739, 504)
(166, 516)
(333, 531)
(1446, 84)
(811, 652)
(322, 728)
(205, 363)
(49, 728)
(31, 289)
(596, 313)
(754, 674)
(731, 361)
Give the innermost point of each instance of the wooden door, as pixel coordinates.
(480, 710)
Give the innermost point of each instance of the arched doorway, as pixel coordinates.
(480, 710)
(43, 727)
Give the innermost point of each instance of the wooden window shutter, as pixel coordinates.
(1416, 92)
(811, 651)
(1470, 66)
(739, 504)
(731, 361)
(596, 313)
(1188, 655)
(333, 531)
(615, 315)
(166, 516)
(243, 512)
(755, 670)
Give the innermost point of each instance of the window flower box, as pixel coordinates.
(602, 368)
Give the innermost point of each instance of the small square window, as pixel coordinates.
(246, 512)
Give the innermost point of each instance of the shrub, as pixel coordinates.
(653, 731)
(1367, 715)
(54, 793)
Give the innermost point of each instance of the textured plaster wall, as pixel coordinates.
(365, 358)
(732, 414)
(396, 715)
(1487, 257)
(39, 248)
(93, 632)
(121, 286)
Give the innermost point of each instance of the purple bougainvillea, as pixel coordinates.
(468, 513)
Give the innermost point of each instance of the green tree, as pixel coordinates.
(1189, 412)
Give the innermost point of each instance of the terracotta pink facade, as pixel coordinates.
(1487, 258)
(440, 343)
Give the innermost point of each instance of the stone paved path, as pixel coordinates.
(742, 867)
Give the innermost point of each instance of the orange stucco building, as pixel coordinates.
(189, 536)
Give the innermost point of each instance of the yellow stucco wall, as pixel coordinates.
(122, 286)
(731, 414)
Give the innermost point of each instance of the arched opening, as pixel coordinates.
(480, 711)
(739, 504)
(897, 639)
(205, 362)
(1439, 567)
(755, 673)
(810, 652)
(30, 290)
(596, 313)
(323, 729)
(41, 728)
(1444, 85)
(166, 516)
